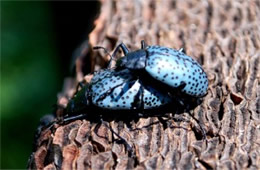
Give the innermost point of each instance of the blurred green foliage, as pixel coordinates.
(30, 76)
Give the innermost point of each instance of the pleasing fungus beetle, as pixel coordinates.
(169, 66)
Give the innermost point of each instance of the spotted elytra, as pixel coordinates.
(118, 90)
(167, 65)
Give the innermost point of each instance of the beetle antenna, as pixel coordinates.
(106, 51)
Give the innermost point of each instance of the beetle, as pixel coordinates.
(148, 78)
(118, 90)
(169, 66)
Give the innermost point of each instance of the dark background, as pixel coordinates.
(37, 42)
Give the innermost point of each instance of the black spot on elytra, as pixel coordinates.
(165, 75)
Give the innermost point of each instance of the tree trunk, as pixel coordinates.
(224, 37)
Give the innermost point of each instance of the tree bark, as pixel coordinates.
(224, 37)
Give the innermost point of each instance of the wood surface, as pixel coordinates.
(224, 37)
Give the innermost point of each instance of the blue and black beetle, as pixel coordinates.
(173, 75)
(169, 66)
(118, 90)
(150, 78)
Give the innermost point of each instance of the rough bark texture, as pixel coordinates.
(224, 36)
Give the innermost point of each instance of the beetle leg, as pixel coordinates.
(187, 106)
(204, 94)
(45, 123)
(74, 117)
(143, 44)
(201, 128)
(128, 147)
(181, 102)
(172, 92)
(81, 85)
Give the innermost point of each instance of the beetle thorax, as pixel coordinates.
(135, 60)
